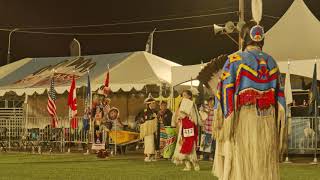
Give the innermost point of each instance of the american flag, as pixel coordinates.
(51, 107)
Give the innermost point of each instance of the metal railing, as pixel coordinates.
(11, 127)
(302, 135)
(32, 134)
(20, 133)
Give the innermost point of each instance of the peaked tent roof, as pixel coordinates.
(179, 73)
(295, 36)
(127, 71)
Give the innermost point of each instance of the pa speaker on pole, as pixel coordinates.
(217, 29)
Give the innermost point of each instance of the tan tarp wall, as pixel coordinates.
(128, 104)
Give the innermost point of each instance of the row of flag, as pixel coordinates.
(72, 100)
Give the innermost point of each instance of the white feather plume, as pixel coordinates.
(213, 83)
(256, 6)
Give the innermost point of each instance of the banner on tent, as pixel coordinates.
(63, 72)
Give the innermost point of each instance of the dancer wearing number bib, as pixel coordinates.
(187, 123)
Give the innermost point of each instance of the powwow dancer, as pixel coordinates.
(148, 128)
(187, 123)
(249, 111)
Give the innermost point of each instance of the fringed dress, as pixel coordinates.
(249, 118)
(179, 157)
(148, 128)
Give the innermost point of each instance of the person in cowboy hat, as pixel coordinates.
(148, 128)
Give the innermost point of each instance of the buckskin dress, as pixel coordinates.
(249, 118)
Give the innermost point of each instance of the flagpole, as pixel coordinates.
(89, 113)
(287, 161)
(69, 134)
(115, 140)
(315, 160)
(172, 98)
(88, 105)
(91, 130)
(316, 128)
(27, 116)
(287, 119)
(151, 49)
(69, 120)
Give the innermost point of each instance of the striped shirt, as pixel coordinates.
(208, 122)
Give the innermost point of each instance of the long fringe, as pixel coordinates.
(255, 151)
(222, 132)
(249, 151)
(148, 128)
(178, 157)
(217, 124)
(282, 128)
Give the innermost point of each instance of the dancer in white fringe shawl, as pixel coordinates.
(185, 150)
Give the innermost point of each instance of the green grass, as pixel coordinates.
(77, 166)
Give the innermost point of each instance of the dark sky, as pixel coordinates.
(185, 47)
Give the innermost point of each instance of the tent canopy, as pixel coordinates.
(299, 67)
(127, 71)
(183, 74)
(295, 36)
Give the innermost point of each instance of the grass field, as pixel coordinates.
(77, 166)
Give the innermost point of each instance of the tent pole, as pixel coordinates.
(287, 126)
(27, 114)
(315, 160)
(172, 97)
(160, 91)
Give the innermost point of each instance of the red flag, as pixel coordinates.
(72, 103)
(106, 88)
(106, 82)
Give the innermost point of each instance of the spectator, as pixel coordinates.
(207, 145)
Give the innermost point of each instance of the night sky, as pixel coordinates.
(185, 47)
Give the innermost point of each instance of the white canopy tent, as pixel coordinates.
(184, 74)
(295, 36)
(295, 39)
(127, 71)
(300, 67)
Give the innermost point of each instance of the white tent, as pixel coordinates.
(127, 71)
(300, 67)
(183, 74)
(295, 36)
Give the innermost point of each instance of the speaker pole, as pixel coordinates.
(241, 18)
